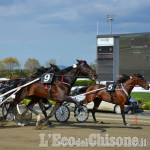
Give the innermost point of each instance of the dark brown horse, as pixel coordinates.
(13, 83)
(120, 96)
(60, 89)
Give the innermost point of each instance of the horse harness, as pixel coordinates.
(128, 96)
(110, 88)
(48, 81)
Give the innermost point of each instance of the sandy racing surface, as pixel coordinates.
(13, 137)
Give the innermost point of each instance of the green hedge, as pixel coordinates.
(27, 101)
(146, 106)
(84, 82)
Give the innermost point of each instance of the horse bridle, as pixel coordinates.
(90, 72)
(140, 80)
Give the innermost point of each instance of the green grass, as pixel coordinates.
(142, 97)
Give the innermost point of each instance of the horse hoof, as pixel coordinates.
(51, 125)
(96, 121)
(37, 123)
(101, 122)
(38, 128)
(127, 124)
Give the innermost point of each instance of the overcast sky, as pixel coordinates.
(65, 29)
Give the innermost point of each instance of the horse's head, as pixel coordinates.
(139, 80)
(53, 68)
(86, 70)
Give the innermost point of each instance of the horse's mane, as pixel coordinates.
(123, 79)
(39, 71)
(63, 71)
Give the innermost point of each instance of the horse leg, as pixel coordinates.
(30, 107)
(74, 101)
(97, 102)
(43, 108)
(123, 114)
(57, 105)
(49, 105)
(78, 104)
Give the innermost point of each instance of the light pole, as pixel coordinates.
(110, 18)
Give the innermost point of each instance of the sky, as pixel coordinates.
(65, 30)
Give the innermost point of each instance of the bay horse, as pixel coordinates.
(13, 83)
(120, 96)
(60, 89)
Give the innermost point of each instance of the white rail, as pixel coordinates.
(88, 92)
(19, 87)
(9, 97)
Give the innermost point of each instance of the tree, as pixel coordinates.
(30, 65)
(50, 61)
(1, 65)
(9, 64)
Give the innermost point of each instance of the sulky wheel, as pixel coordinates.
(62, 114)
(5, 107)
(81, 113)
(23, 116)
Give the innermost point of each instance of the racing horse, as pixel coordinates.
(52, 69)
(13, 83)
(120, 96)
(60, 88)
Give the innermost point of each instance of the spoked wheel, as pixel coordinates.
(23, 116)
(81, 114)
(5, 107)
(62, 114)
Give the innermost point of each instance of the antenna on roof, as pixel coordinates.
(110, 18)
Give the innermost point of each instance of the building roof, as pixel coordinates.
(123, 35)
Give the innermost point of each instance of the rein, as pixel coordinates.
(62, 81)
(89, 92)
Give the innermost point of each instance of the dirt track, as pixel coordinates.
(22, 138)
